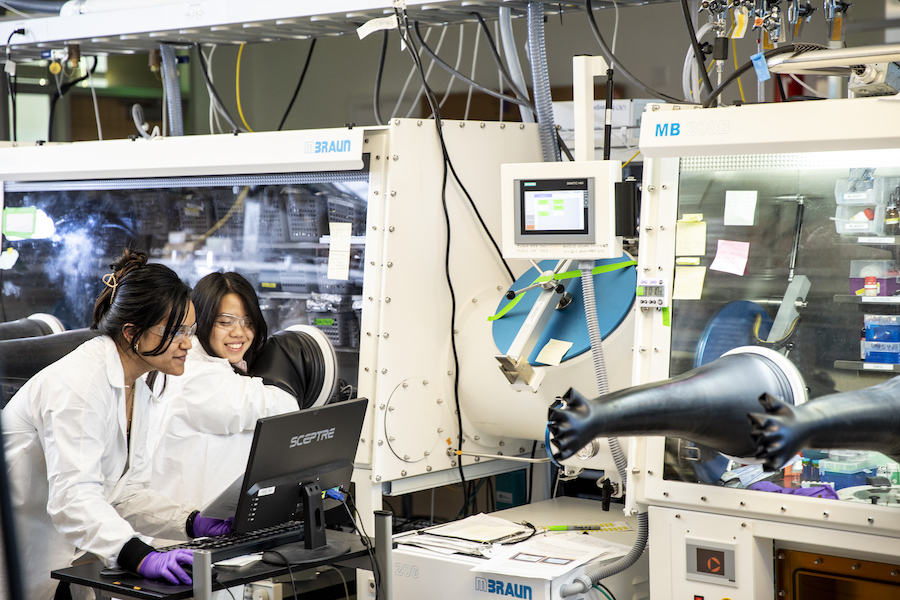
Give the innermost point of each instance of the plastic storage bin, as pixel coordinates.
(339, 327)
(845, 224)
(885, 271)
(848, 473)
(877, 195)
(882, 328)
(882, 352)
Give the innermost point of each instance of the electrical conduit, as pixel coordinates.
(512, 60)
(173, 89)
(540, 79)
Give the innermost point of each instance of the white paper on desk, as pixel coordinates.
(439, 544)
(479, 528)
(550, 556)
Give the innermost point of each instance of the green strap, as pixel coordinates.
(567, 275)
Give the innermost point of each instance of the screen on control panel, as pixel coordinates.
(554, 211)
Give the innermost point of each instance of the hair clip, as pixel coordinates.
(111, 277)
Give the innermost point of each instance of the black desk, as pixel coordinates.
(132, 586)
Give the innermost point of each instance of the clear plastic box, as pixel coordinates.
(885, 271)
(845, 225)
(878, 195)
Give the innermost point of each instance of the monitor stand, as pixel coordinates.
(315, 547)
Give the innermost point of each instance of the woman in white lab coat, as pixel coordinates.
(209, 414)
(75, 437)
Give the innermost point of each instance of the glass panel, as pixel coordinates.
(272, 229)
(833, 239)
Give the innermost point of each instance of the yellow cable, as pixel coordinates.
(734, 55)
(631, 159)
(237, 204)
(237, 86)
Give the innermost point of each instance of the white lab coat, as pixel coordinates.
(203, 426)
(76, 483)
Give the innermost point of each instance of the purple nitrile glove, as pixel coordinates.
(167, 565)
(207, 526)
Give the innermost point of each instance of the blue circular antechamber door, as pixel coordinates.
(614, 295)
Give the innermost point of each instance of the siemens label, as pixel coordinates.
(495, 586)
(326, 146)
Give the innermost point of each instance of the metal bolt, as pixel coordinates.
(663, 186)
(371, 262)
(440, 430)
(393, 193)
(381, 407)
(818, 561)
(677, 516)
(477, 459)
(366, 141)
(871, 520)
(499, 288)
(462, 124)
(646, 269)
(455, 331)
(659, 268)
(635, 470)
(502, 125)
(825, 514)
(390, 264)
(742, 503)
(392, 439)
(781, 593)
(634, 512)
(396, 121)
(662, 227)
(855, 567)
(377, 157)
(642, 349)
(703, 498)
(406, 457)
(428, 468)
(395, 157)
(362, 440)
(784, 509)
(370, 297)
(648, 228)
(369, 333)
(780, 554)
(656, 349)
(522, 126)
(391, 228)
(376, 193)
(482, 125)
(378, 478)
(427, 453)
(419, 123)
(386, 335)
(387, 300)
(425, 382)
(654, 107)
(502, 443)
(390, 409)
(666, 494)
(649, 472)
(406, 385)
(452, 463)
(651, 188)
(367, 369)
(521, 450)
(477, 437)
(384, 371)
(450, 373)
(374, 228)
(894, 573)
(402, 473)
(474, 300)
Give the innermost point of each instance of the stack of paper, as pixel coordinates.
(468, 536)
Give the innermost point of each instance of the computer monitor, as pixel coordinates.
(560, 210)
(294, 459)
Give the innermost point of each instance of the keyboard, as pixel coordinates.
(233, 544)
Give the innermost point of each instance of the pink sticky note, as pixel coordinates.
(731, 257)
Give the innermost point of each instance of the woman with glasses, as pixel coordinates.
(76, 439)
(206, 418)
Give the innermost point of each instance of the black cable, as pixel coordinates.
(795, 48)
(695, 43)
(364, 539)
(606, 589)
(62, 91)
(299, 83)
(615, 64)
(421, 41)
(499, 61)
(531, 475)
(780, 86)
(288, 565)
(563, 147)
(378, 73)
(212, 90)
(12, 82)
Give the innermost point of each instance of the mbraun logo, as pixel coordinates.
(668, 129)
(309, 438)
(495, 586)
(326, 147)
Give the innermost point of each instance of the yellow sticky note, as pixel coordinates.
(553, 351)
(690, 238)
(688, 283)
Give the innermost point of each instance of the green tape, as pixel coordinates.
(323, 322)
(665, 316)
(19, 222)
(558, 276)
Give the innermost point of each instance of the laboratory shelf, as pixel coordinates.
(867, 300)
(858, 365)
